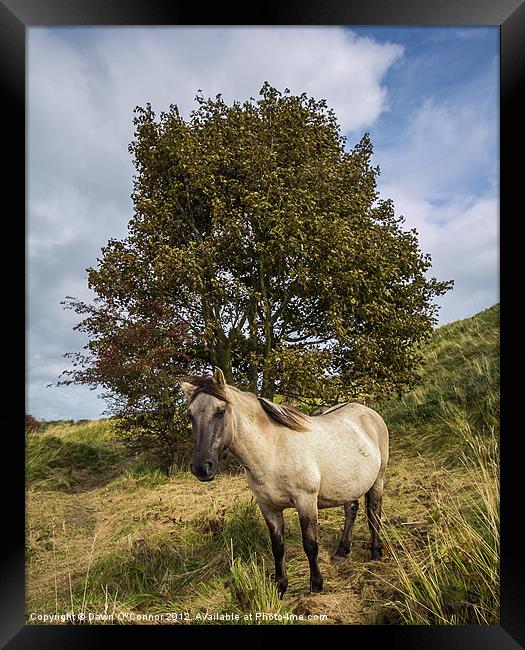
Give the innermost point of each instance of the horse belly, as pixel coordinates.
(348, 475)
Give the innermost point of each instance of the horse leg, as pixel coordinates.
(275, 522)
(373, 513)
(308, 520)
(346, 538)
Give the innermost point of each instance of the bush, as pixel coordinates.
(161, 436)
(33, 425)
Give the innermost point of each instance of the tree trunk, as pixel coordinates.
(224, 362)
(269, 392)
(253, 371)
(252, 378)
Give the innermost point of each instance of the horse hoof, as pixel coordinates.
(282, 586)
(316, 587)
(338, 559)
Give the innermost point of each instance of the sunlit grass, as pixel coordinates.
(252, 591)
(453, 578)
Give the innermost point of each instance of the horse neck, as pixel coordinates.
(252, 438)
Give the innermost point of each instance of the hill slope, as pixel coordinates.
(110, 538)
(459, 389)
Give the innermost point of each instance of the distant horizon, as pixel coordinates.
(428, 96)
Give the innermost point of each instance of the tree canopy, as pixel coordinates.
(259, 244)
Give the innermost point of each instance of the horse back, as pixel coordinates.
(353, 418)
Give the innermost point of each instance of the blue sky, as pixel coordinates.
(427, 96)
(441, 67)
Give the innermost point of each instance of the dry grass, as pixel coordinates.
(123, 547)
(447, 572)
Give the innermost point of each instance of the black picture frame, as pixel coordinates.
(18, 15)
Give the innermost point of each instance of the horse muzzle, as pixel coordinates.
(204, 471)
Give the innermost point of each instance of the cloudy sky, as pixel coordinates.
(427, 96)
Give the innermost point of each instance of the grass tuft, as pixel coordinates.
(252, 591)
(245, 531)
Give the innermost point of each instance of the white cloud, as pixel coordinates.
(442, 174)
(462, 237)
(330, 63)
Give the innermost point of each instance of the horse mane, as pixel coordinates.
(205, 384)
(285, 414)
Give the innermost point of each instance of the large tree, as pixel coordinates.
(258, 244)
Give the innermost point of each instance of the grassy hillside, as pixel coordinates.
(444, 568)
(459, 391)
(108, 537)
(69, 456)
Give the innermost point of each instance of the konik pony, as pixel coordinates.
(292, 460)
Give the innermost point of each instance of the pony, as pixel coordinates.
(292, 460)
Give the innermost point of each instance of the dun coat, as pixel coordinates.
(292, 460)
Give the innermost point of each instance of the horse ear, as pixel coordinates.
(218, 377)
(187, 388)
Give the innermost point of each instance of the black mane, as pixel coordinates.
(285, 414)
(205, 384)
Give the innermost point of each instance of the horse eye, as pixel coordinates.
(220, 414)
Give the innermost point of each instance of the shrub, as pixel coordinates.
(161, 435)
(33, 425)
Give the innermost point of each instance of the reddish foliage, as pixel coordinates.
(32, 424)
